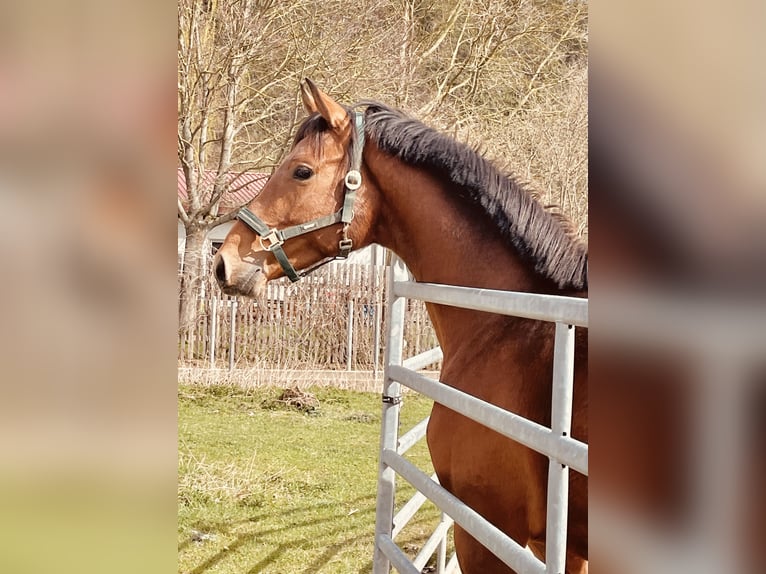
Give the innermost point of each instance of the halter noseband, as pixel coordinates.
(272, 238)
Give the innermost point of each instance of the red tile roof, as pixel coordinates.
(243, 187)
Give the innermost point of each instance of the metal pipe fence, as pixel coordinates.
(554, 442)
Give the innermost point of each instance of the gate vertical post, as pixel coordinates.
(441, 551)
(561, 425)
(378, 309)
(384, 514)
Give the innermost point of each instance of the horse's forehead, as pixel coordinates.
(322, 144)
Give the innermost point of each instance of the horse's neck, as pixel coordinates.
(432, 231)
(440, 243)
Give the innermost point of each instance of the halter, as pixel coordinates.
(272, 239)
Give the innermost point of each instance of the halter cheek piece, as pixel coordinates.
(272, 239)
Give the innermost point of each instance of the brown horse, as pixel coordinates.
(454, 219)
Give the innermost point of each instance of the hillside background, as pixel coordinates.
(509, 78)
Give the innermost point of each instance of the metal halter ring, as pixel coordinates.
(353, 180)
(271, 240)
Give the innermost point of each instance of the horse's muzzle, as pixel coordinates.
(238, 277)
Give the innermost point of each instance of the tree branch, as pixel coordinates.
(182, 213)
(226, 217)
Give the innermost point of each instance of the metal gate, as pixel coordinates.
(562, 450)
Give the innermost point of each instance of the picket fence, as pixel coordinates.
(331, 319)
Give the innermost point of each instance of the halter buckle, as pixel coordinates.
(344, 246)
(353, 180)
(271, 240)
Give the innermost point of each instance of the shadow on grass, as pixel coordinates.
(296, 541)
(332, 550)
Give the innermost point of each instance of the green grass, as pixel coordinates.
(266, 488)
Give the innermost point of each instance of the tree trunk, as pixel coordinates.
(192, 277)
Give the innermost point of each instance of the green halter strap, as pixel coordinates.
(272, 239)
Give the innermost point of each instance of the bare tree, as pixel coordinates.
(230, 72)
(509, 76)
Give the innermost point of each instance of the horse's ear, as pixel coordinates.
(308, 99)
(335, 114)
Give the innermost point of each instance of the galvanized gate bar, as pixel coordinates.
(384, 508)
(496, 541)
(555, 442)
(561, 425)
(565, 450)
(569, 310)
(412, 436)
(393, 554)
(436, 538)
(441, 550)
(424, 359)
(407, 512)
(451, 565)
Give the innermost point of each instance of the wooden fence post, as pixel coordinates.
(213, 317)
(232, 333)
(350, 334)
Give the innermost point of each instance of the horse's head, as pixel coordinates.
(304, 213)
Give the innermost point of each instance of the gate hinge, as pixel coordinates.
(392, 400)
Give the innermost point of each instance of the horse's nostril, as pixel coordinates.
(220, 270)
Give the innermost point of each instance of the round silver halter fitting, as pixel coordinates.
(353, 180)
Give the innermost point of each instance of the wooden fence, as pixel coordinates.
(332, 319)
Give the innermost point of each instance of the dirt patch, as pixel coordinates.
(295, 399)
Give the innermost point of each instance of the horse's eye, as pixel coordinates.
(302, 172)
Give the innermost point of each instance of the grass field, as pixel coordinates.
(264, 487)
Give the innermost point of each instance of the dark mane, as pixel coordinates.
(541, 236)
